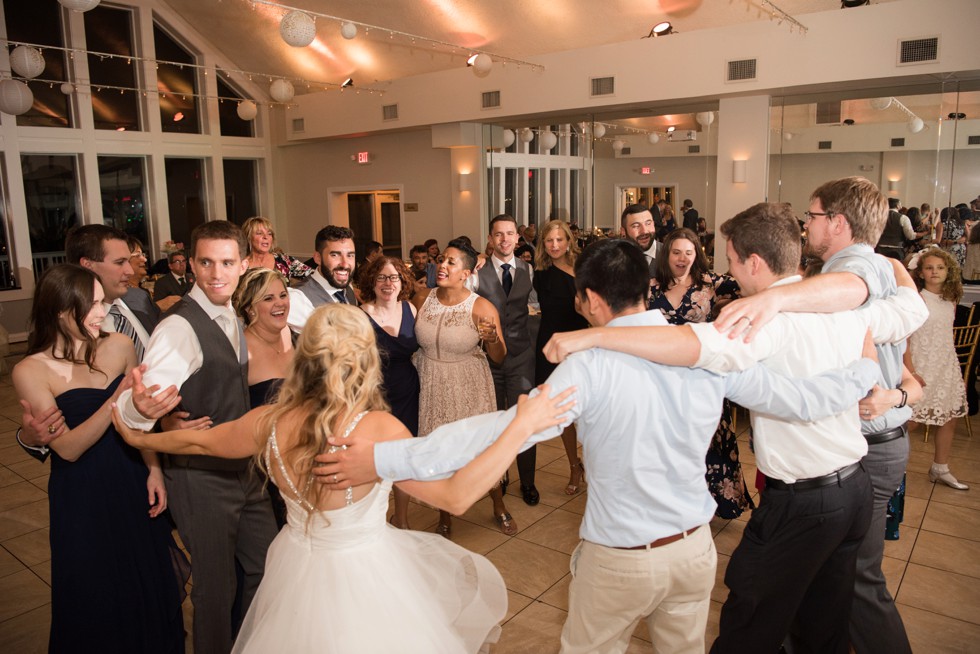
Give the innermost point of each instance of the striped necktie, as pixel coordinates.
(123, 326)
(341, 297)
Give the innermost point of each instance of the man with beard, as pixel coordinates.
(334, 259)
(638, 225)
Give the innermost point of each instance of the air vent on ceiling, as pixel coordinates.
(299, 124)
(918, 51)
(491, 99)
(741, 70)
(603, 86)
(973, 140)
(389, 112)
(828, 113)
(898, 143)
(824, 145)
(693, 149)
(625, 151)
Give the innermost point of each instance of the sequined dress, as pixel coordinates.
(345, 581)
(453, 370)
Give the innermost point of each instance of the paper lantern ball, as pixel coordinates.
(282, 90)
(297, 29)
(247, 110)
(15, 97)
(27, 61)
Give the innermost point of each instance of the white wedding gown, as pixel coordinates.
(348, 582)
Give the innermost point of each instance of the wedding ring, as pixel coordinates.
(335, 479)
(51, 429)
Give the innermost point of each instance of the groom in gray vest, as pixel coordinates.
(330, 282)
(506, 282)
(221, 508)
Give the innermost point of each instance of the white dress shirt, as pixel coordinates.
(644, 429)
(473, 281)
(807, 344)
(300, 306)
(109, 325)
(174, 353)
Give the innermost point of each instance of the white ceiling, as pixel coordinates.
(248, 33)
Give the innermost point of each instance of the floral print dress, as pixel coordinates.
(724, 472)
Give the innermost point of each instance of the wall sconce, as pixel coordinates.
(892, 185)
(463, 182)
(738, 171)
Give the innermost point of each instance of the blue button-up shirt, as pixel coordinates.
(644, 430)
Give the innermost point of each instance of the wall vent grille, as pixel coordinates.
(693, 149)
(918, 51)
(898, 143)
(828, 113)
(824, 145)
(973, 140)
(299, 125)
(742, 70)
(389, 112)
(491, 99)
(603, 86)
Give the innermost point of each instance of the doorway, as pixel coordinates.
(376, 216)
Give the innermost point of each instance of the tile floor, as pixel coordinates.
(933, 570)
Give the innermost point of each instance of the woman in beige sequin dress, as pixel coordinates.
(456, 382)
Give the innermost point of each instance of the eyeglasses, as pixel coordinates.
(388, 278)
(810, 215)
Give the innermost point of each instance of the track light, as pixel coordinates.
(347, 82)
(661, 29)
(848, 4)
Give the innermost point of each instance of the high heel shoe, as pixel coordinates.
(577, 471)
(942, 473)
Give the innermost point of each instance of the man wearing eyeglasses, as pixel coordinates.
(844, 222)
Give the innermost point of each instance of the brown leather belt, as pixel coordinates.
(660, 542)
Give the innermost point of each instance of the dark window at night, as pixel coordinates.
(122, 183)
(177, 83)
(40, 23)
(185, 194)
(231, 124)
(110, 31)
(51, 191)
(8, 270)
(240, 189)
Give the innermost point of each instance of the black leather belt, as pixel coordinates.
(835, 477)
(885, 436)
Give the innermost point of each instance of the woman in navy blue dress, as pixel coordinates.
(385, 286)
(117, 577)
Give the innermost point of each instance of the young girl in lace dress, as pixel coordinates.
(932, 358)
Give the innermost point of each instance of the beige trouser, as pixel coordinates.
(613, 589)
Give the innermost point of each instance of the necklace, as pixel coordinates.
(270, 344)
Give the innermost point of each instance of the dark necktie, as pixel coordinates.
(341, 297)
(182, 284)
(506, 279)
(123, 326)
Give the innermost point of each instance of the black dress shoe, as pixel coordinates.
(530, 494)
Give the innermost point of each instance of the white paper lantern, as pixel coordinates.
(705, 118)
(282, 90)
(15, 97)
(618, 145)
(482, 65)
(881, 103)
(916, 125)
(67, 88)
(247, 110)
(348, 30)
(653, 138)
(297, 29)
(527, 135)
(549, 140)
(27, 61)
(79, 5)
(599, 130)
(509, 137)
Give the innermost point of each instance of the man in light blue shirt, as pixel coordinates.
(644, 430)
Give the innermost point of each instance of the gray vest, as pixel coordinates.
(318, 295)
(219, 388)
(512, 308)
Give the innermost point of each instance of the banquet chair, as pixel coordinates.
(965, 342)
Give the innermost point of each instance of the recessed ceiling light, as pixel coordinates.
(661, 29)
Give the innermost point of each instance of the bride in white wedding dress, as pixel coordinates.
(338, 578)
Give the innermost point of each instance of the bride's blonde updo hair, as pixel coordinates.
(335, 374)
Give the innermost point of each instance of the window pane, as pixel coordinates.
(51, 190)
(123, 195)
(110, 30)
(40, 23)
(231, 124)
(8, 271)
(185, 193)
(177, 84)
(240, 189)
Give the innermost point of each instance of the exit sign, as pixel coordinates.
(645, 170)
(363, 157)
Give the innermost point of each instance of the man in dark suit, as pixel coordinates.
(172, 286)
(638, 225)
(330, 282)
(690, 216)
(506, 282)
(105, 251)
